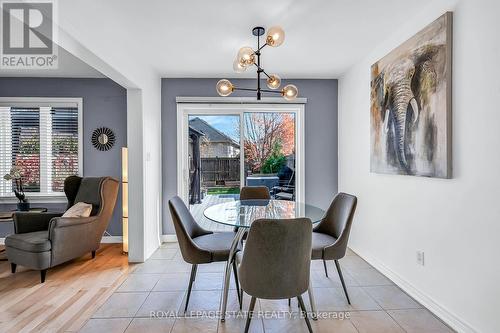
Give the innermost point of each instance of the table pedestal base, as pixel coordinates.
(227, 274)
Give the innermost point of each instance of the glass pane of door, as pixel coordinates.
(214, 159)
(269, 142)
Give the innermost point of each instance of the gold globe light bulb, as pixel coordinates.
(275, 36)
(289, 92)
(246, 56)
(224, 87)
(273, 81)
(238, 67)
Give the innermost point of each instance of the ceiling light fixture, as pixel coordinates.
(247, 57)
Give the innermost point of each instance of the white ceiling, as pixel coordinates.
(200, 38)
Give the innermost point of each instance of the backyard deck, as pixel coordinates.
(210, 200)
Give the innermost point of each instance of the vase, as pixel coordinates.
(23, 206)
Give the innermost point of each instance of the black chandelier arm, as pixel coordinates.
(260, 48)
(244, 89)
(261, 70)
(271, 91)
(262, 90)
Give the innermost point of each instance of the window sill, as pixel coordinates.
(36, 199)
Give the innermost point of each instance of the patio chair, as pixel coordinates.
(285, 190)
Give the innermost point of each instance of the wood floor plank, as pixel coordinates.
(71, 293)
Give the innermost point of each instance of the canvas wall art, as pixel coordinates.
(411, 105)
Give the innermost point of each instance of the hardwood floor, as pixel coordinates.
(69, 296)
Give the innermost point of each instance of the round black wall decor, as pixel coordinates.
(103, 138)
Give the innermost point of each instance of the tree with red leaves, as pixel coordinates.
(266, 135)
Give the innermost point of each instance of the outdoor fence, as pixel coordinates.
(218, 170)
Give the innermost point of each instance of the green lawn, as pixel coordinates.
(223, 190)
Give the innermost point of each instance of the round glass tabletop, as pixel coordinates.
(241, 213)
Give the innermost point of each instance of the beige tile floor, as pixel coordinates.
(159, 286)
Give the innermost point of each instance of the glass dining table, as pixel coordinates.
(242, 213)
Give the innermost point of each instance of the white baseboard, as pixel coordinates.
(105, 239)
(111, 239)
(168, 238)
(441, 312)
(118, 239)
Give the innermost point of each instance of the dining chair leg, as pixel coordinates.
(342, 280)
(304, 313)
(326, 270)
(312, 302)
(195, 271)
(250, 313)
(237, 281)
(191, 280)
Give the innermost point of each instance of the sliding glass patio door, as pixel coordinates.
(214, 152)
(269, 152)
(223, 147)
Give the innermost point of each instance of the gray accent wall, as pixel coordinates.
(320, 132)
(104, 104)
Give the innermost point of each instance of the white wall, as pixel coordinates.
(457, 221)
(107, 47)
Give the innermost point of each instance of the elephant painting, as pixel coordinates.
(411, 105)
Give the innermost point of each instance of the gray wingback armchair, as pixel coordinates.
(44, 240)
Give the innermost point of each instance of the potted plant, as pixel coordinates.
(16, 175)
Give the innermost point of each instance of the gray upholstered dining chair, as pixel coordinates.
(254, 193)
(44, 240)
(275, 263)
(199, 246)
(330, 236)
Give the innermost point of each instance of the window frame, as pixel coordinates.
(39, 102)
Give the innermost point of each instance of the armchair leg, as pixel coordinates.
(235, 271)
(326, 270)
(43, 273)
(191, 280)
(93, 254)
(304, 313)
(250, 313)
(342, 280)
(13, 267)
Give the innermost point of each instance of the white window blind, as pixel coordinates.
(64, 146)
(44, 141)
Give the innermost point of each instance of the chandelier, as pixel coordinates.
(248, 57)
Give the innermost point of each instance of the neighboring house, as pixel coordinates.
(214, 143)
